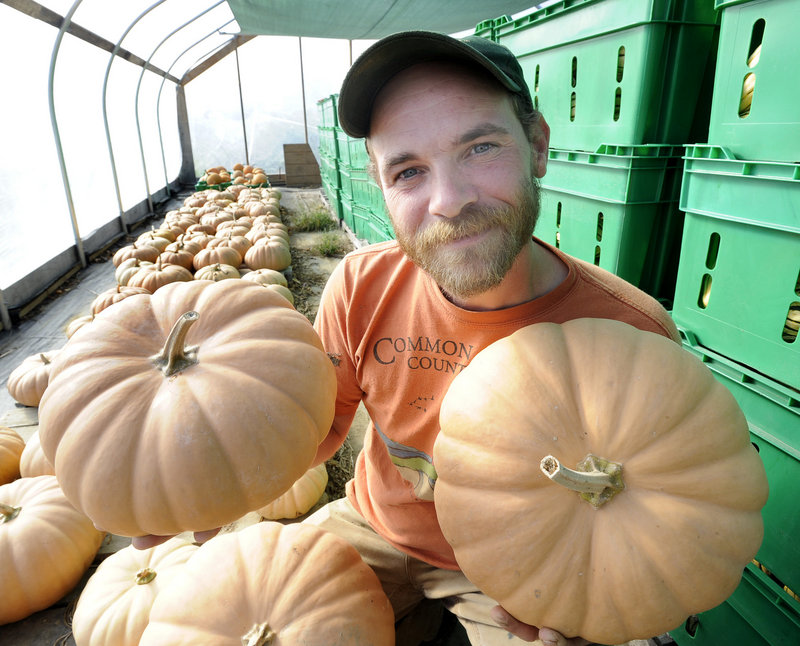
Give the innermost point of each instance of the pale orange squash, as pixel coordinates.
(216, 272)
(115, 603)
(269, 253)
(186, 409)
(11, 447)
(28, 381)
(665, 528)
(114, 295)
(46, 546)
(304, 494)
(273, 584)
(32, 462)
(155, 276)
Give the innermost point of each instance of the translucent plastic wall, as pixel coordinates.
(272, 92)
(117, 122)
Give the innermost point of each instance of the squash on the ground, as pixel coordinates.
(273, 584)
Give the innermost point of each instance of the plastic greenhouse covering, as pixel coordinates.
(118, 104)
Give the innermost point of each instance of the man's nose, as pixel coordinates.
(451, 191)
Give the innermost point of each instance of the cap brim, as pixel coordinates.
(381, 61)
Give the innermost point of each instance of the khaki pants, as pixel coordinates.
(408, 582)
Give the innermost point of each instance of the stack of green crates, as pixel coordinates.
(353, 194)
(329, 153)
(623, 87)
(737, 297)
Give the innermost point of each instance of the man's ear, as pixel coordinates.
(540, 143)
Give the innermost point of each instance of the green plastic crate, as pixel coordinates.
(329, 169)
(370, 226)
(773, 416)
(359, 184)
(759, 44)
(329, 117)
(357, 153)
(618, 71)
(616, 208)
(343, 146)
(347, 211)
(738, 281)
(345, 184)
(327, 142)
(333, 194)
(488, 28)
(758, 613)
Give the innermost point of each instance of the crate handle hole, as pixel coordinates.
(792, 324)
(705, 292)
(574, 71)
(597, 255)
(558, 239)
(536, 80)
(756, 39)
(620, 63)
(572, 107)
(748, 90)
(600, 227)
(692, 624)
(713, 250)
(617, 103)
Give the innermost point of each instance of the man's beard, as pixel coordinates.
(473, 269)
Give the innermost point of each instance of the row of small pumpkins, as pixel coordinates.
(241, 175)
(215, 235)
(47, 515)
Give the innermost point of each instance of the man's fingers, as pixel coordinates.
(148, 541)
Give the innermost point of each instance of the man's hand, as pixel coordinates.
(528, 633)
(150, 540)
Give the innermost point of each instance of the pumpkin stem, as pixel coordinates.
(8, 513)
(175, 356)
(144, 576)
(44, 358)
(259, 635)
(597, 480)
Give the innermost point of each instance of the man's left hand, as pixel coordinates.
(528, 633)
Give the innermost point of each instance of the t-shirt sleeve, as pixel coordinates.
(332, 325)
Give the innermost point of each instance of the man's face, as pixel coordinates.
(457, 174)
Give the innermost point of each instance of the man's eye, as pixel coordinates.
(482, 147)
(408, 173)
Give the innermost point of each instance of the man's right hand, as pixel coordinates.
(151, 540)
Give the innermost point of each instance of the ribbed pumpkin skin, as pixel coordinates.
(11, 448)
(28, 381)
(304, 494)
(311, 587)
(45, 550)
(113, 607)
(672, 543)
(32, 461)
(141, 453)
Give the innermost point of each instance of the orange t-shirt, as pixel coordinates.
(397, 343)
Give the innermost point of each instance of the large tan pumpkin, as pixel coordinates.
(273, 584)
(666, 528)
(11, 447)
(186, 409)
(46, 546)
(115, 604)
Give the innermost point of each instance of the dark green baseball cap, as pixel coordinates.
(394, 53)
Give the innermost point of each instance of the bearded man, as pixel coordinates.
(457, 149)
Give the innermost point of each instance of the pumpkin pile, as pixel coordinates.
(598, 480)
(241, 175)
(216, 235)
